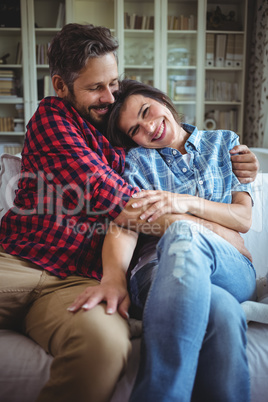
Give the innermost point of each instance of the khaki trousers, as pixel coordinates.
(90, 348)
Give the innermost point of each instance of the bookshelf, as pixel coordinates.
(45, 19)
(174, 45)
(225, 72)
(13, 96)
(164, 43)
(24, 36)
(179, 43)
(139, 38)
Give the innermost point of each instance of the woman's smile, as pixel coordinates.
(160, 134)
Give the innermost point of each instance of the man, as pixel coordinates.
(51, 240)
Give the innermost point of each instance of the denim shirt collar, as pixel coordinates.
(192, 142)
(194, 139)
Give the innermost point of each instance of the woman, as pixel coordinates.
(189, 285)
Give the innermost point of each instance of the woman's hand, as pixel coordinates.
(162, 202)
(232, 237)
(113, 292)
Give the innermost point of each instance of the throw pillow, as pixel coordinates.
(9, 176)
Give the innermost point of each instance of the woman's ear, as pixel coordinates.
(59, 86)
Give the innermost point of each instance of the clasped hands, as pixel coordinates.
(163, 202)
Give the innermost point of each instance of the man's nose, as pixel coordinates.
(107, 96)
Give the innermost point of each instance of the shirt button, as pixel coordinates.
(174, 152)
(168, 161)
(201, 182)
(184, 170)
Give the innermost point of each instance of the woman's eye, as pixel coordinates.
(145, 112)
(134, 131)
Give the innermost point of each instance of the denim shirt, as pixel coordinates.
(208, 175)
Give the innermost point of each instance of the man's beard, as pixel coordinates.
(99, 123)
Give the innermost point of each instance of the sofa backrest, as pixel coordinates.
(256, 239)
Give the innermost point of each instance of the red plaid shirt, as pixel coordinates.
(69, 190)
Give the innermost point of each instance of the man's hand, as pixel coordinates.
(113, 292)
(245, 164)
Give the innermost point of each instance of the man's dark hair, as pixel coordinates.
(74, 45)
(128, 88)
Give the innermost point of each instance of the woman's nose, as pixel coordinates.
(149, 126)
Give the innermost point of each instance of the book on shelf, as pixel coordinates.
(238, 50)
(230, 48)
(210, 49)
(126, 20)
(220, 49)
(19, 53)
(224, 50)
(134, 21)
(184, 23)
(171, 22)
(7, 73)
(144, 22)
(138, 22)
(11, 148)
(7, 83)
(221, 91)
(6, 124)
(228, 119)
(181, 22)
(41, 53)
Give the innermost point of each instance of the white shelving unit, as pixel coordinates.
(45, 19)
(166, 47)
(15, 107)
(228, 79)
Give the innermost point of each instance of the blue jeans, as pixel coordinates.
(194, 329)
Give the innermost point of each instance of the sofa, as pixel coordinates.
(24, 366)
